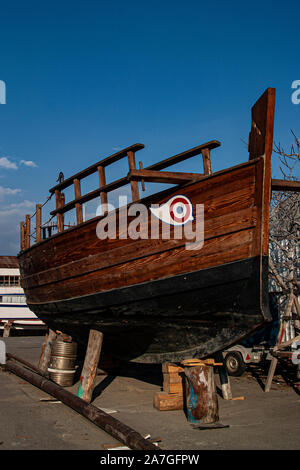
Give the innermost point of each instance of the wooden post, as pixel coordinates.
(201, 397)
(46, 351)
(134, 184)
(103, 194)
(78, 206)
(89, 370)
(206, 161)
(22, 236)
(224, 378)
(274, 361)
(142, 181)
(27, 231)
(60, 223)
(38, 222)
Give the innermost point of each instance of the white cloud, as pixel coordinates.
(7, 164)
(28, 163)
(8, 191)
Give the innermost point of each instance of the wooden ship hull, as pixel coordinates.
(154, 299)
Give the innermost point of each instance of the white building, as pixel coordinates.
(13, 307)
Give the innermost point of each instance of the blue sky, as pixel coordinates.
(86, 78)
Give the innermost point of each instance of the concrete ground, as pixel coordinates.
(260, 421)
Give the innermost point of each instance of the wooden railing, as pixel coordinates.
(152, 173)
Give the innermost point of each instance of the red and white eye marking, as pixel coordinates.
(176, 211)
(181, 209)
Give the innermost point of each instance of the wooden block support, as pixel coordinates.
(167, 402)
(46, 351)
(89, 370)
(201, 397)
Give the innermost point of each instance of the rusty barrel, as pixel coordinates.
(62, 363)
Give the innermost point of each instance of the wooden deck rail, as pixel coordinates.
(151, 173)
(106, 188)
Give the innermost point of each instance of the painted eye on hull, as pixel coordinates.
(178, 210)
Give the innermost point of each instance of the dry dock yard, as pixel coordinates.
(33, 420)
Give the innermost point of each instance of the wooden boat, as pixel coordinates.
(153, 299)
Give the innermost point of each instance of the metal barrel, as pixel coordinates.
(62, 363)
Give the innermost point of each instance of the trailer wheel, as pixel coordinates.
(234, 364)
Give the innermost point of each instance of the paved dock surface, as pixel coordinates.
(260, 421)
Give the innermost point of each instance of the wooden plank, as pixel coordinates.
(215, 228)
(285, 185)
(93, 168)
(239, 195)
(47, 345)
(167, 402)
(89, 370)
(180, 157)
(162, 176)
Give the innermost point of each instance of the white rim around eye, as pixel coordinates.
(180, 210)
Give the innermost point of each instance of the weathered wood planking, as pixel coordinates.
(222, 216)
(210, 194)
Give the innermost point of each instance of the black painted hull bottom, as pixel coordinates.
(190, 315)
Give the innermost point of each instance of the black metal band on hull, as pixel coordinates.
(189, 315)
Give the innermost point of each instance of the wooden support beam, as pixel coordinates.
(38, 223)
(102, 183)
(46, 351)
(108, 423)
(27, 231)
(78, 205)
(206, 161)
(170, 177)
(89, 370)
(284, 185)
(59, 204)
(224, 378)
(134, 184)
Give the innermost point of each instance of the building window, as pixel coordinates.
(9, 281)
